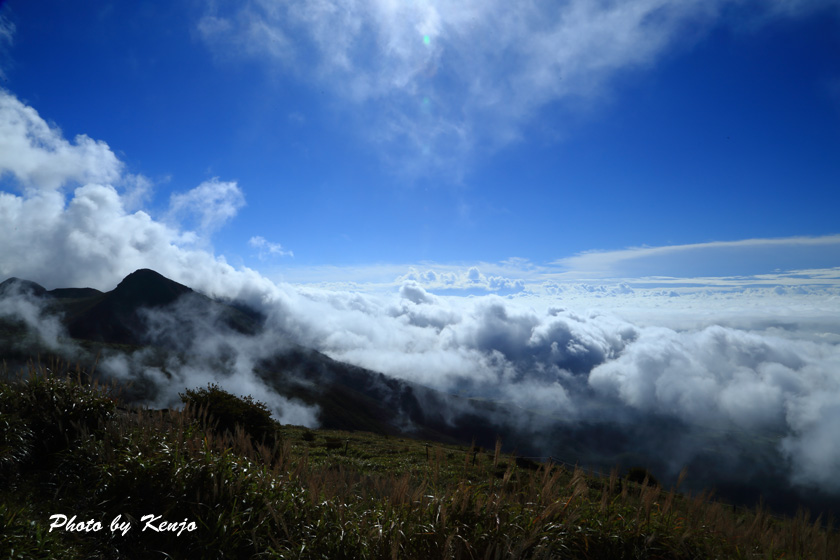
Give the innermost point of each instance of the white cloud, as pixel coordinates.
(747, 257)
(812, 446)
(267, 248)
(17, 304)
(209, 205)
(441, 79)
(720, 377)
(86, 237)
(413, 292)
(7, 30)
(7, 36)
(472, 280)
(38, 157)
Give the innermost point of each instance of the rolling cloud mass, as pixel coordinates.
(759, 354)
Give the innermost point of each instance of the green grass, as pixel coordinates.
(73, 449)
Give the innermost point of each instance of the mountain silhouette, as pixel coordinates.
(120, 316)
(147, 288)
(73, 293)
(348, 397)
(29, 288)
(116, 317)
(25, 287)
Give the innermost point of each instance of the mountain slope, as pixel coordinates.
(115, 316)
(120, 316)
(126, 320)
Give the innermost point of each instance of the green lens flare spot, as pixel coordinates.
(426, 39)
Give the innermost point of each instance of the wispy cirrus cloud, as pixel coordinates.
(748, 257)
(794, 265)
(7, 28)
(7, 36)
(435, 81)
(267, 248)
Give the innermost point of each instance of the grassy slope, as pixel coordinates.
(66, 448)
(352, 398)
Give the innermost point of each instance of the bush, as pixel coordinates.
(223, 411)
(640, 475)
(525, 463)
(333, 443)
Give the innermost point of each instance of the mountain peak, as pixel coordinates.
(22, 286)
(148, 288)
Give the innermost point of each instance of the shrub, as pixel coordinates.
(333, 443)
(525, 463)
(223, 411)
(640, 475)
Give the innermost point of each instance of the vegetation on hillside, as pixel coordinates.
(73, 449)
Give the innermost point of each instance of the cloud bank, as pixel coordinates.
(756, 360)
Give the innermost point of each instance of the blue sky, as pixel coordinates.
(379, 132)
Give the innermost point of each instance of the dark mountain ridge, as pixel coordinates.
(348, 397)
(118, 323)
(118, 316)
(18, 285)
(27, 287)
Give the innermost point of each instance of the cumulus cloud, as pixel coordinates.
(91, 240)
(208, 206)
(443, 79)
(69, 225)
(470, 280)
(39, 158)
(415, 293)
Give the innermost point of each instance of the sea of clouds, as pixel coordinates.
(753, 354)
